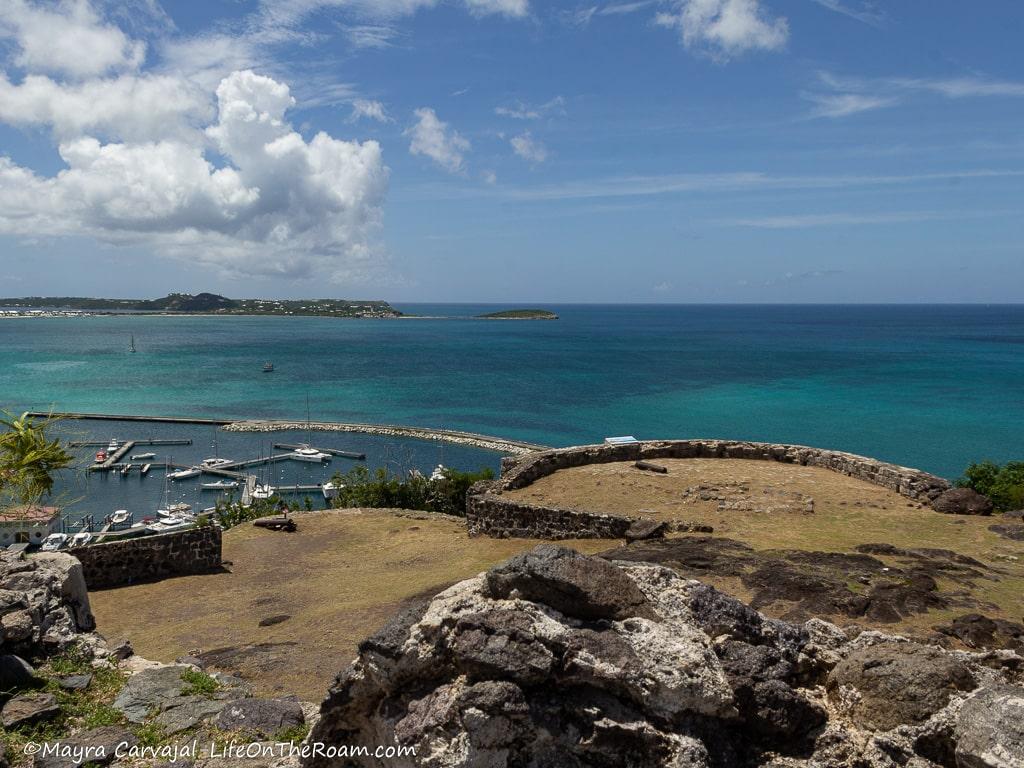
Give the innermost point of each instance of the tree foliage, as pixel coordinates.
(1003, 484)
(360, 487)
(29, 458)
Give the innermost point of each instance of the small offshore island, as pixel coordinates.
(520, 314)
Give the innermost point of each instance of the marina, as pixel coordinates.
(94, 491)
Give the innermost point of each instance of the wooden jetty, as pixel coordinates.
(331, 451)
(113, 458)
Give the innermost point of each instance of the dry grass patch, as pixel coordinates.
(338, 579)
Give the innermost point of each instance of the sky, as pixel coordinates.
(513, 150)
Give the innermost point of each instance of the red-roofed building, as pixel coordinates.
(28, 524)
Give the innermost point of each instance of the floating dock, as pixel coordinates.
(104, 443)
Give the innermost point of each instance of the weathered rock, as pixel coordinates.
(16, 627)
(97, 746)
(962, 501)
(150, 690)
(976, 630)
(491, 674)
(990, 729)
(16, 673)
(70, 579)
(121, 650)
(263, 717)
(888, 684)
(75, 682)
(645, 529)
(29, 708)
(578, 586)
(186, 711)
(1012, 531)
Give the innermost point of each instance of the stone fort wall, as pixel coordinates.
(488, 513)
(116, 563)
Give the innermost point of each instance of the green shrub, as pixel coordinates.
(359, 487)
(1003, 484)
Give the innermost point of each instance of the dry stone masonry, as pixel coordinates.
(193, 550)
(489, 513)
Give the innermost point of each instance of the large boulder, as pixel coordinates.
(889, 684)
(556, 659)
(962, 501)
(990, 730)
(578, 586)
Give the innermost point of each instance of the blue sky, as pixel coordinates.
(508, 150)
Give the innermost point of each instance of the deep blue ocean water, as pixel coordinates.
(929, 386)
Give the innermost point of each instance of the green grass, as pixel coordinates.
(198, 683)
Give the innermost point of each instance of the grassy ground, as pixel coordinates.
(847, 512)
(339, 578)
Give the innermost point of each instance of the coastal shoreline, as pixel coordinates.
(486, 442)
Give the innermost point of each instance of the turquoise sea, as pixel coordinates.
(929, 386)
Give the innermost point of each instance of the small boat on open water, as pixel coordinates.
(140, 456)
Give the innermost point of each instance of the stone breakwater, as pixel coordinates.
(112, 564)
(488, 513)
(486, 442)
(556, 659)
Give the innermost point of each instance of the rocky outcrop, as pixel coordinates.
(556, 659)
(44, 603)
(962, 501)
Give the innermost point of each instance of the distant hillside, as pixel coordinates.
(520, 314)
(209, 303)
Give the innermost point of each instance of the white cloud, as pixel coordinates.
(522, 111)
(67, 39)
(133, 107)
(849, 95)
(279, 205)
(529, 148)
(724, 28)
(435, 139)
(511, 8)
(374, 110)
(867, 13)
(844, 104)
(961, 87)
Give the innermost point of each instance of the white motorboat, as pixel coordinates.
(113, 446)
(125, 470)
(215, 463)
(306, 453)
(263, 492)
(439, 473)
(220, 485)
(54, 541)
(180, 509)
(170, 523)
(139, 456)
(331, 489)
(145, 469)
(184, 474)
(118, 517)
(80, 539)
